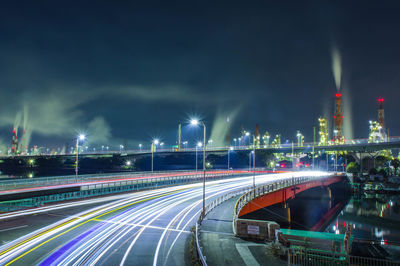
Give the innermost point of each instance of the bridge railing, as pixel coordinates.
(248, 193)
(209, 207)
(265, 189)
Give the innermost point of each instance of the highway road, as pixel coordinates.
(141, 228)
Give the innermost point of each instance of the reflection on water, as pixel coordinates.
(374, 217)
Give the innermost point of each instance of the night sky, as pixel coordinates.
(125, 72)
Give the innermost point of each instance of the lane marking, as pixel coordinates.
(62, 233)
(13, 228)
(246, 254)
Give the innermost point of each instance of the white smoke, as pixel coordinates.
(337, 67)
(221, 126)
(347, 113)
(3, 148)
(99, 132)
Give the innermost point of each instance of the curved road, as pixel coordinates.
(140, 228)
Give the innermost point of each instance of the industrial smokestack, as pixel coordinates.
(381, 113)
(338, 120)
(14, 146)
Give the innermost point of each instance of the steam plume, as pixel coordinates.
(337, 67)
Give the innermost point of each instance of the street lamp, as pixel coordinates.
(198, 145)
(81, 137)
(254, 166)
(185, 144)
(196, 122)
(254, 158)
(247, 134)
(235, 141)
(229, 151)
(210, 141)
(153, 149)
(140, 147)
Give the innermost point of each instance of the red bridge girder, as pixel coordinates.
(284, 194)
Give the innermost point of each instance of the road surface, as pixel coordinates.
(141, 228)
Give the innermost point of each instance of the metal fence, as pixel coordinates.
(303, 257)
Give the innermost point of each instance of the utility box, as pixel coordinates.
(256, 229)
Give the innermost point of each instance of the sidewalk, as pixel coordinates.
(221, 247)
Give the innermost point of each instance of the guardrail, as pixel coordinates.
(249, 194)
(71, 179)
(209, 207)
(92, 190)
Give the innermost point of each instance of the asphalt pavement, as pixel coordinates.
(140, 228)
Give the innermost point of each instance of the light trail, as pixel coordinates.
(119, 223)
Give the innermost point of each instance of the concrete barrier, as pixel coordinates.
(256, 229)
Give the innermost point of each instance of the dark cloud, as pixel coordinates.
(137, 69)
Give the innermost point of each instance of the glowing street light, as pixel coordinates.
(80, 137)
(253, 152)
(140, 146)
(247, 134)
(196, 122)
(229, 151)
(153, 149)
(210, 141)
(185, 144)
(197, 146)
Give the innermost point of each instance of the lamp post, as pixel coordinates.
(140, 147)
(247, 134)
(250, 153)
(198, 145)
(210, 141)
(153, 148)
(196, 122)
(229, 151)
(82, 138)
(254, 158)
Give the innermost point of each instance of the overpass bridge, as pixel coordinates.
(356, 145)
